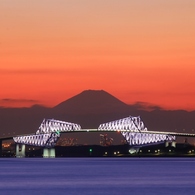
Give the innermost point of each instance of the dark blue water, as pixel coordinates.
(137, 176)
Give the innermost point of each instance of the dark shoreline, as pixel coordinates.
(159, 150)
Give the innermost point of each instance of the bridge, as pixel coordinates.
(132, 129)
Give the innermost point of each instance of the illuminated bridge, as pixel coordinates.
(132, 129)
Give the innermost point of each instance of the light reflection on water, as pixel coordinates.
(34, 176)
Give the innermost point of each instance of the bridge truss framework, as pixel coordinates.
(134, 131)
(132, 128)
(48, 133)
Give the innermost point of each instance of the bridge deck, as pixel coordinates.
(133, 131)
(96, 130)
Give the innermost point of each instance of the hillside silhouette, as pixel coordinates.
(91, 102)
(89, 109)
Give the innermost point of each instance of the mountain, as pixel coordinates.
(91, 102)
(89, 109)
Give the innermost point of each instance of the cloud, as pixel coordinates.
(9, 100)
(146, 106)
(14, 103)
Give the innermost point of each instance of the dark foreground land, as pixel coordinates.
(181, 150)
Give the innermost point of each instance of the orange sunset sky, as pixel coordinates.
(139, 51)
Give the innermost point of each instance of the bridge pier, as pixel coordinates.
(170, 143)
(173, 144)
(0, 148)
(20, 150)
(49, 153)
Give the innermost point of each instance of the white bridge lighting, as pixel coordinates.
(134, 131)
(132, 128)
(48, 133)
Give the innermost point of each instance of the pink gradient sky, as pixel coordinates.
(136, 50)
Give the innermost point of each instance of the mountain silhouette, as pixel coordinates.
(91, 108)
(91, 102)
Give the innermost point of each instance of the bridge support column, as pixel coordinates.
(166, 143)
(0, 148)
(173, 144)
(20, 150)
(49, 153)
(170, 143)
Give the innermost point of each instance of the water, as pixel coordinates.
(73, 176)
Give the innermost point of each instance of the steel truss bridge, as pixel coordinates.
(132, 129)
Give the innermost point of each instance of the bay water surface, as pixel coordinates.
(72, 176)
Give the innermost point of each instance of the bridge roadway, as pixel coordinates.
(133, 131)
(51, 152)
(106, 130)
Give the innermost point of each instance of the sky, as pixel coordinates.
(139, 51)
